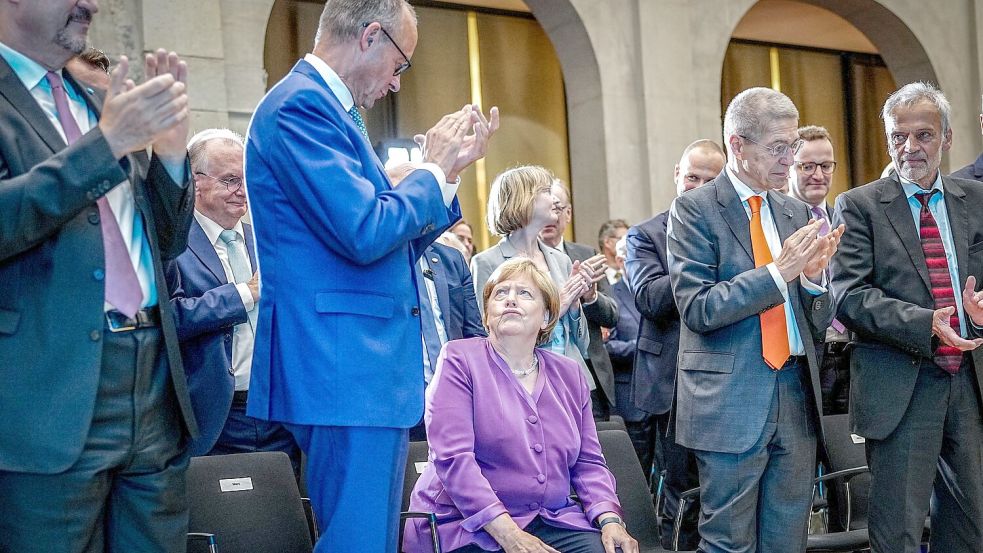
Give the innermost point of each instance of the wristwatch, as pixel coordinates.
(610, 520)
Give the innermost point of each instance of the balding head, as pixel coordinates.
(700, 163)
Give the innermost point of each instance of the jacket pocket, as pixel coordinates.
(707, 361)
(9, 321)
(977, 247)
(649, 345)
(355, 303)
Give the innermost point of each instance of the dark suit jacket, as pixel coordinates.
(654, 383)
(455, 292)
(51, 276)
(207, 308)
(603, 312)
(973, 171)
(724, 388)
(621, 347)
(881, 285)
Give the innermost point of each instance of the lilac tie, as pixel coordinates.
(122, 287)
(820, 214)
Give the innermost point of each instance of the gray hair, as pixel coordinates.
(344, 19)
(913, 93)
(750, 111)
(198, 146)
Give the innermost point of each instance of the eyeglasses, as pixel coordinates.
(809, 167)
(403, 67)
(232, 184)
(778, 150)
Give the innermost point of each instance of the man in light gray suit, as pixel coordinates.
(746, 264)
(915, 386)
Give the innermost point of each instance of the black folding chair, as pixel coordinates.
(416, 461)
(247, 502)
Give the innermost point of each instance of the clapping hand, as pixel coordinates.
(593, 270)
(798, 250)
(576, 285)
(948, 335)
(472, 147)
(973, 302)
(820, 259)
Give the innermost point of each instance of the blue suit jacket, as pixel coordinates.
(455, 292)
(658, 338)
(973, 171)
(206, 309)
(621, 347)
(338, 337)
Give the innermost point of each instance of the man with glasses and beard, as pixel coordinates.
(94, 400)
(746, 265)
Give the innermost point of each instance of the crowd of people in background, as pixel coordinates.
(164, 297)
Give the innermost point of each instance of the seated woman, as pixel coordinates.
(511, 432)
(520, 205)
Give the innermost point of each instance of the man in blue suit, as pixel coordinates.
(746, 266)
(214, 291)
(338, 352)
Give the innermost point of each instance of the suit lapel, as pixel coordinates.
(21, 99)
(439, 280)
(732, 210)
(247, 231)
(955, 205)
(781, 213)
(899, 214)
(198, 243)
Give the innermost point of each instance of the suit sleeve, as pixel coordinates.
(216, 309)
(603, 311)
(328, 186)
(648, 274)
(705, 302)
(173, 206)
(863, 308)
(36, 204)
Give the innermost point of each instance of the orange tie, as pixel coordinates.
(774, 331)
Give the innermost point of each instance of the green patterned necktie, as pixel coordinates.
(357, 117)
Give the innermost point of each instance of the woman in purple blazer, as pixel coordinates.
(511, 432)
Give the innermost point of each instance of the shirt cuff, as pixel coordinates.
(811, 287)
(591, 302)
(779, 281)
(447, 189)
(246, 296)
(176, 171)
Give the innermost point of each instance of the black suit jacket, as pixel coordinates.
(603, 312)
(973, 171)
(51, 276)
(658, 335)
(455, 292)
(881, 285)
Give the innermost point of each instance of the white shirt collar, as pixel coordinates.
(334, 82)
(214, 230)
(744, 191)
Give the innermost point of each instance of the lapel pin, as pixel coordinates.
(434, 260)
(90, 91)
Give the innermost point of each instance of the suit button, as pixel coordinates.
(228, 337)
(105, 185)
(94, 217)
(415, 311)
(533, 419)
(232, 372)
(90, 195)
(95, 335)
(538, 448)
(818, 305)
(98, 274)
(541, 478)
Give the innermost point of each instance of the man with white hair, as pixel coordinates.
(914, 241)
(215, 297)
(746, 265)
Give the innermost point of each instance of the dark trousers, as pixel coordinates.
(933, 458)
(561, 539)
(355, 480)
(599, 404)
(244, 434)
(681, 474)
(127, 490)
(644, 435)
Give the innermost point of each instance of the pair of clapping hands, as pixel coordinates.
(807, 253)
(582, 282)
(972, 307)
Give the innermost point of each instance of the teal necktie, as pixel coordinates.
(239, 261)
(357, 117)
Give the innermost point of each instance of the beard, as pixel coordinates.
(74, 42)
(922, 170)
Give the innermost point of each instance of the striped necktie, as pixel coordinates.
(947, 357)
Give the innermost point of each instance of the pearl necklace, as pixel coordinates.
(526, 372)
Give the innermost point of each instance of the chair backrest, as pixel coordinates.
(416, 460)
(633, 490)
(846, 451)
(250, 501)
(613, 424)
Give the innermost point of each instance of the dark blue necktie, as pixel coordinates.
(431, 340)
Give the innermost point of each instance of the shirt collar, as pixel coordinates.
(911, 188)
(214, 230)
(27, 70)
(334, 82)
(744, 191)
(558, 247)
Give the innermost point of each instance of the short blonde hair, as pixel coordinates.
(512, 195)
(519, 267)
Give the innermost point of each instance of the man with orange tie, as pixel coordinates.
(747, 265)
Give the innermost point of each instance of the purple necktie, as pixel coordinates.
(820, 214)
(947, 357)
(122, 287)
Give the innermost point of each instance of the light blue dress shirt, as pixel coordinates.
(937, 206)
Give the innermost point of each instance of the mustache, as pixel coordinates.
(80, 15)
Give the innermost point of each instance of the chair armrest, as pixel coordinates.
(845, 475)
(209, 540)
(432, 523)
(311, 520)
(677, 524)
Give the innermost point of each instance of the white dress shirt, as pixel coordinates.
(438, 319)
(242, 335)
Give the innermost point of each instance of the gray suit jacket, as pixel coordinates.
(724, 387)
(52, 281)
(881, 286)
(484, 264)
(602, 312)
